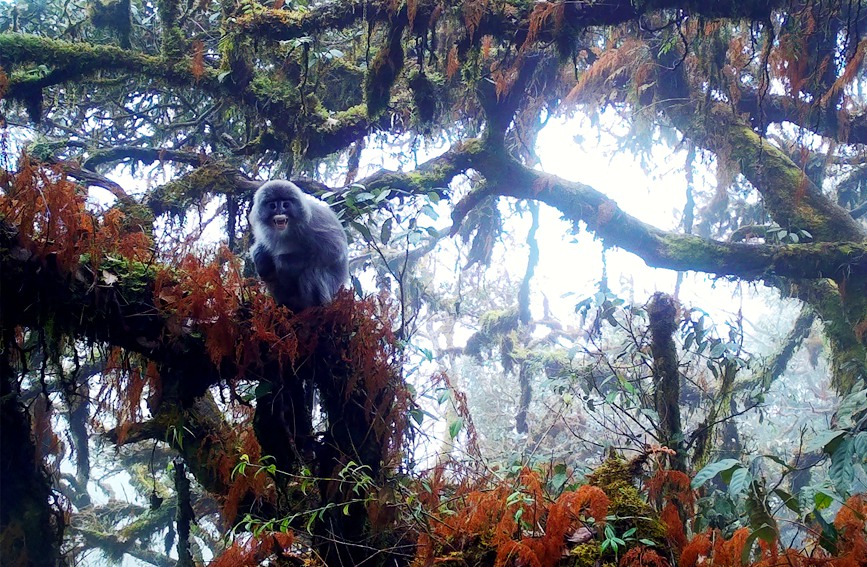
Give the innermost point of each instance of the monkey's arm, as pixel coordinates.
(264, 262)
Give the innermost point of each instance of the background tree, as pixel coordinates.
(123, 321)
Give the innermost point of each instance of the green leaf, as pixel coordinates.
(780, 462)
(713, 469)
(740, 482)
(828, 537)
(842, 472)
(417, 415)
(825, 440)
(822, 499)
(430, 212)
(356, 285)
(455, 427)
(687, 342)
(385, 233)
(263, 388)
(852, 405)
(309, 525)
(790, 501)
(860, 446)
(363, 230)
(766, 533)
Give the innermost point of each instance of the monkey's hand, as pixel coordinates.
(264, 262)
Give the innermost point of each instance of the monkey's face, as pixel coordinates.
(280, 213)
(278, 206)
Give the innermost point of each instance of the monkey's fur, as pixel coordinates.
(300, 250)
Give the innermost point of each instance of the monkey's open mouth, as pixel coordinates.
(281, 222)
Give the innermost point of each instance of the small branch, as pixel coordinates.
(859, 211)
(184, 516)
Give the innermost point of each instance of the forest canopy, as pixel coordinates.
(608, 298)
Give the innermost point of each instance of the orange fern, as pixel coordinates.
(643, 556)
(252, 551)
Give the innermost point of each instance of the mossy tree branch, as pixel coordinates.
(323, 133)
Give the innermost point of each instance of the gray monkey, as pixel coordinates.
(300, 250)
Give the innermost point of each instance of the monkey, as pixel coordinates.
(300, 248)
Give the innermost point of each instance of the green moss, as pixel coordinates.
(176, 197)
(494, 326)
(275, 92)
(172, 36)
(339, 120)
(133, 277)
(265, 22)
(70, 60)
(585, 555)
(629, 509)
(473, 146)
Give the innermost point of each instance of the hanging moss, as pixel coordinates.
(384, 70)
(424, 94)
(340, 85)
(112, 15)
(493, 325)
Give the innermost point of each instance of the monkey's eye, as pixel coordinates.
(285, 204)
(273, 205)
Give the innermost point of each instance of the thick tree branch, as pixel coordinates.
(36, 290)
(144, 155)
(92, 179)
(336, 15)
(791, 198)
(658, 248)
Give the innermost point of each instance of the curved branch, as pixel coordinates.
(93, 179)
(659, 248)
